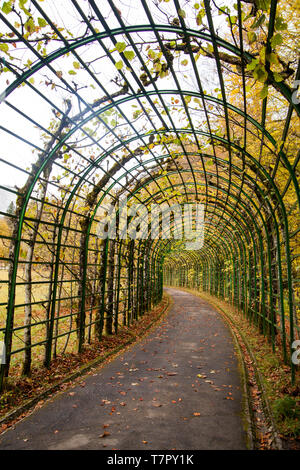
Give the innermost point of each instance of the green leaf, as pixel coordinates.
(264, 92)
(7, 7)
(280, 24)
(151, 54)
(251, 36)
(200, 16)
(273, 58)
(4, 47)
(210, 48)
(276, 40)
(120, 46)
(157, 66)
(277, 77)
(76, 65)
(260, 73)
(72, 72)
(262, 4)
(42, 23)
(252, 64)
(257, 23)
(119, 65)
(29, 25)
(181, 13)
(223, 10)
(129, 55)
(137, 113)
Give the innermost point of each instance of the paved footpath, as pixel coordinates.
(178, 388)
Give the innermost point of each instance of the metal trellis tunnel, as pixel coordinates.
(153, 102)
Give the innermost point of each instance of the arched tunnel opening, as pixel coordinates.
(145, 106)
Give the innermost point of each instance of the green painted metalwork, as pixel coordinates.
(147, 130)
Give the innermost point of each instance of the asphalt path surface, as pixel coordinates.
(178, 388)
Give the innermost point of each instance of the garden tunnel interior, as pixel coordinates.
(159, 103)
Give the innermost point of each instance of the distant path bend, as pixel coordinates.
(178, 388)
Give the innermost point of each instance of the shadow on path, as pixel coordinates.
(178, 388)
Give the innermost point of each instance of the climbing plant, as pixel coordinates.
(159, 102)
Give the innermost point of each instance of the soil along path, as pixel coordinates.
(178, 388)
